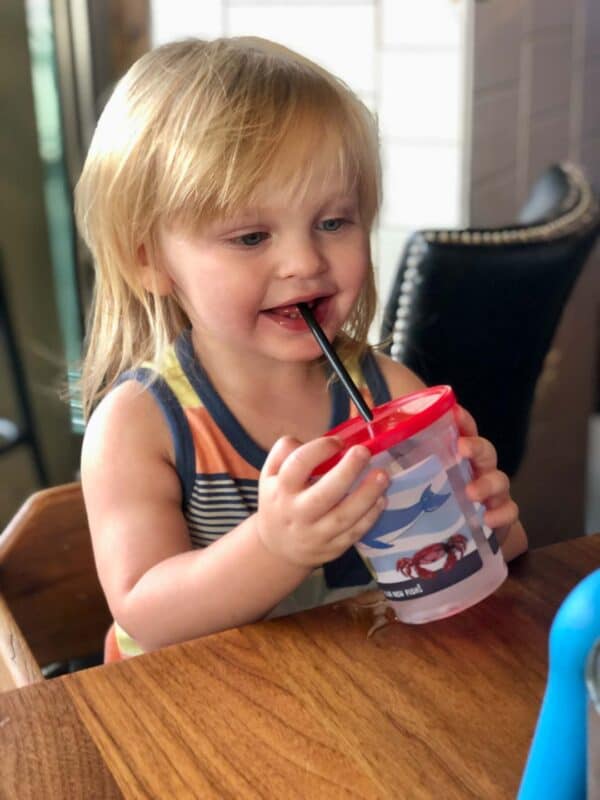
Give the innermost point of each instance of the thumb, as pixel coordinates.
(278, 454)
(465, 422)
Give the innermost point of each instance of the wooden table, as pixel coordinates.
(305, 707)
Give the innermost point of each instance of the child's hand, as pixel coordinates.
(489, 486)
(311, 523)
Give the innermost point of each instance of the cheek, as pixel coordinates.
(360, 260)
(358, 249)
(224, 298)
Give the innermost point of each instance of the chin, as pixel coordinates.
(297, 352)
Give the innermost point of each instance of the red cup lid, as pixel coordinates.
(393, 422)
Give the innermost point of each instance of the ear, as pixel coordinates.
(154, 279)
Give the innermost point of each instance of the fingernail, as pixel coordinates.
(362, 453)
(382, 478)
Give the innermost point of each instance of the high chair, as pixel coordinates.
(52, 609)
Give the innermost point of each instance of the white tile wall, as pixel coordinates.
(390, 246)
(421, 92)
(339, 37)
(286, 3)
(421, 186)
(422, 88)
(426, 23)
(176, 19)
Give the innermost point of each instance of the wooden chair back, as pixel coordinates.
(18, 667)
(48, 577)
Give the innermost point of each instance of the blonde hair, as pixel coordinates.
(190, 134)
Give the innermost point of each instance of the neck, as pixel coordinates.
(271, 399)
(259, 381)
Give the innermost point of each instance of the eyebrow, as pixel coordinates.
(344, 200)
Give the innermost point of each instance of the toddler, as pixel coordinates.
(226, 182)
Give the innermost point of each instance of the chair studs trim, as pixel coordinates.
(580, 207)
(584, 211)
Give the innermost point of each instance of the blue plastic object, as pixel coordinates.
(556, 765)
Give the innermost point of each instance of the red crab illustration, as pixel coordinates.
(453, 548)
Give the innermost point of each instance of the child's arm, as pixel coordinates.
(158, 588)
(490, 486)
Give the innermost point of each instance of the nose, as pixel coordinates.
(301, 257)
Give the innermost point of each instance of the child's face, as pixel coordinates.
(239, 278)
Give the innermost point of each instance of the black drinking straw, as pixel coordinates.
(335, 362)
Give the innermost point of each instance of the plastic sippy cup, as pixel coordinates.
(429, 551)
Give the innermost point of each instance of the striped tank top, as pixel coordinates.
(218, 464)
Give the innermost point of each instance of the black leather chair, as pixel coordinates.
(478, 308)
(21, 433)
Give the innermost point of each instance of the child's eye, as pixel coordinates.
(332, 225)
(250, 239)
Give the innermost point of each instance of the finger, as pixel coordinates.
(466, 423)
(359, 528)
(505, 515)
(299, 464)
(332, 487)
(277, 455)
(480, 452)
(350, 507)
(496, 501)
(491, 485)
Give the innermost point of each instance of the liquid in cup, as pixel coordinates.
(429, 551)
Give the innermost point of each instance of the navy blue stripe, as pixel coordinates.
(340, 403)
(375, 380)
(220, 501)
(231, 428)
(185, 461)
(211, 400)
(212, 477)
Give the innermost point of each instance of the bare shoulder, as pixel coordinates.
(400, 379)
(127, 458)
(131, 488)
(126, 423)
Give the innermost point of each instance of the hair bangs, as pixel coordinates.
(285, 130)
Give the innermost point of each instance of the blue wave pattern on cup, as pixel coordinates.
(421, 543)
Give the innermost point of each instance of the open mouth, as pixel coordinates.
(291, 312)
(289, 316)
